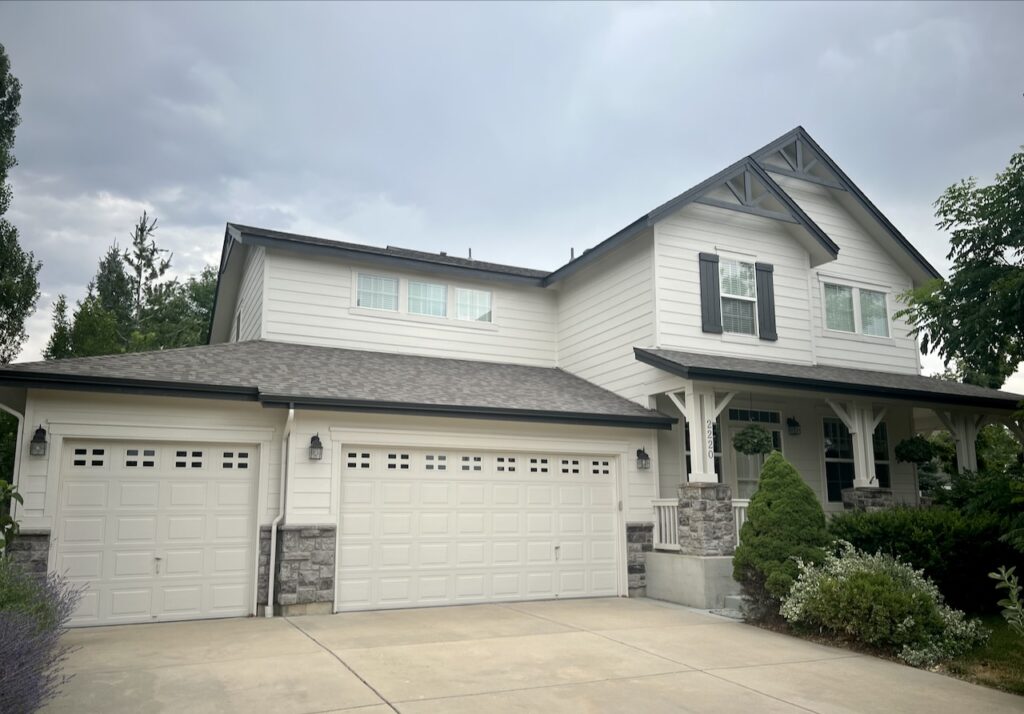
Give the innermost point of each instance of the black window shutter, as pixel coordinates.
(765, 301)
(710, 296)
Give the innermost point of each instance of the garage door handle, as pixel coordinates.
(558, 550)
(157, 565)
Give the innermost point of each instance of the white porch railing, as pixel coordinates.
(666, 524)
(739, 514)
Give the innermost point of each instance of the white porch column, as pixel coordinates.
(860, 420)
(964, 428)
(701, 407)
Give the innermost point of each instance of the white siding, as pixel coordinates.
(250, 298)
(694, 229)
(141, 417)
(605, 311)
(311, 301)
(861, 260)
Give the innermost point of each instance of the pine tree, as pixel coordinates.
(60, 344)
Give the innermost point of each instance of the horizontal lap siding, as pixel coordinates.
(250, 296)
(695, 229)
(310, 301)
(156, 415)
(861, 258)
(603, 313)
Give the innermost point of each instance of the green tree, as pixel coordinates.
(113, 287)
(60, 344)
(19, 270)
(146, 266)
(785, 522)
(976, 318)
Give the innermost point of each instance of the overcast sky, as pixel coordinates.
(516, 129)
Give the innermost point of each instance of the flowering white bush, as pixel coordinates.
(880, 601)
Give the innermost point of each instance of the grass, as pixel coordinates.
(999, 664)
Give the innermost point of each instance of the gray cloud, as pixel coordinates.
(517, 129)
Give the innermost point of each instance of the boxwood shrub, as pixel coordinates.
(956, 551)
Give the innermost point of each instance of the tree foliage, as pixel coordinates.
(19, 270)
(131, 306)
(785, 522)
(976, 318)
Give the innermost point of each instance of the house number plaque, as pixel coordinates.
(710, 439)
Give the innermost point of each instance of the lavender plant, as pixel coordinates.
(33, 615)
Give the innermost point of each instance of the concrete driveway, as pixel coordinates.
(606, 655)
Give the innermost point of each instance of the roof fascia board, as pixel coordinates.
(391, 261)
(68, 382)
(225, 256)
(852, 189)
(78, 383)
(819, 385)
(601, 249)
(358, 405)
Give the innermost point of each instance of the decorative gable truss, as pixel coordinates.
(792, 155)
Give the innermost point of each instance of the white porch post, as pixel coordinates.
(701, 407)
(860, 420)
(964, 428)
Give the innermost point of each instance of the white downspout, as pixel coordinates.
(271, 576)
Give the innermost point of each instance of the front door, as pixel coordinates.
(743, 470)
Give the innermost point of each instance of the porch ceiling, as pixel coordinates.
(824, 378)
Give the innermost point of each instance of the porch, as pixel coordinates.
(838, 427)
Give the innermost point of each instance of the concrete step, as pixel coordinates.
(733, 602)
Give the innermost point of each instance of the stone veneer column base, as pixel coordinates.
(31, 550)
(305, 570)
(706, 522)
(639, 544)
(868, 499)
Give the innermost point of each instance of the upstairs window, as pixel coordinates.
(472, 305)
(847, 308)
(377, 293)
(739, 297)
(428, 299)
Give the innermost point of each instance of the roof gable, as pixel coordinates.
(797, 155)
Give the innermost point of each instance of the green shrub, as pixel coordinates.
(881, 602)
(955, 550)
(785, 522)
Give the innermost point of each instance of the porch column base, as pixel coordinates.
(706, 524)
(868, 499)
(696, 581)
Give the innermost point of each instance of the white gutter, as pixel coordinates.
(271, 576)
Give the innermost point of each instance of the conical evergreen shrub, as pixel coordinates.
(784, 522)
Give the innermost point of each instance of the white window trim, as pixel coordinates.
(858, 325)
(408, 299)
(737, 258)
(402, 313)
(383, 276)
(455, 305)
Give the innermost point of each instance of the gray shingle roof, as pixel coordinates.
(392, 251)
(278, 372)
(843, 380)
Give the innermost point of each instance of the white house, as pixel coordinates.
(484, 427)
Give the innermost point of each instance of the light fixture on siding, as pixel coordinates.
(37, 447)
(316, 448)
(643, 461)
(793, 426)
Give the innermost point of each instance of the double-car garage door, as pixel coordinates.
(157, 531)
(443, 526)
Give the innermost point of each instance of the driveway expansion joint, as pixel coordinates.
(344, 664)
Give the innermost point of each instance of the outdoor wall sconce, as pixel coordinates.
(793, 426)
(643, 461)
(37, 447)
(316, 448)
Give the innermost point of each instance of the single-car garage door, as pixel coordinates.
(157, 531)
(436, 527)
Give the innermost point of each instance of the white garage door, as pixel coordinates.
(157, 531)
(433, 527)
